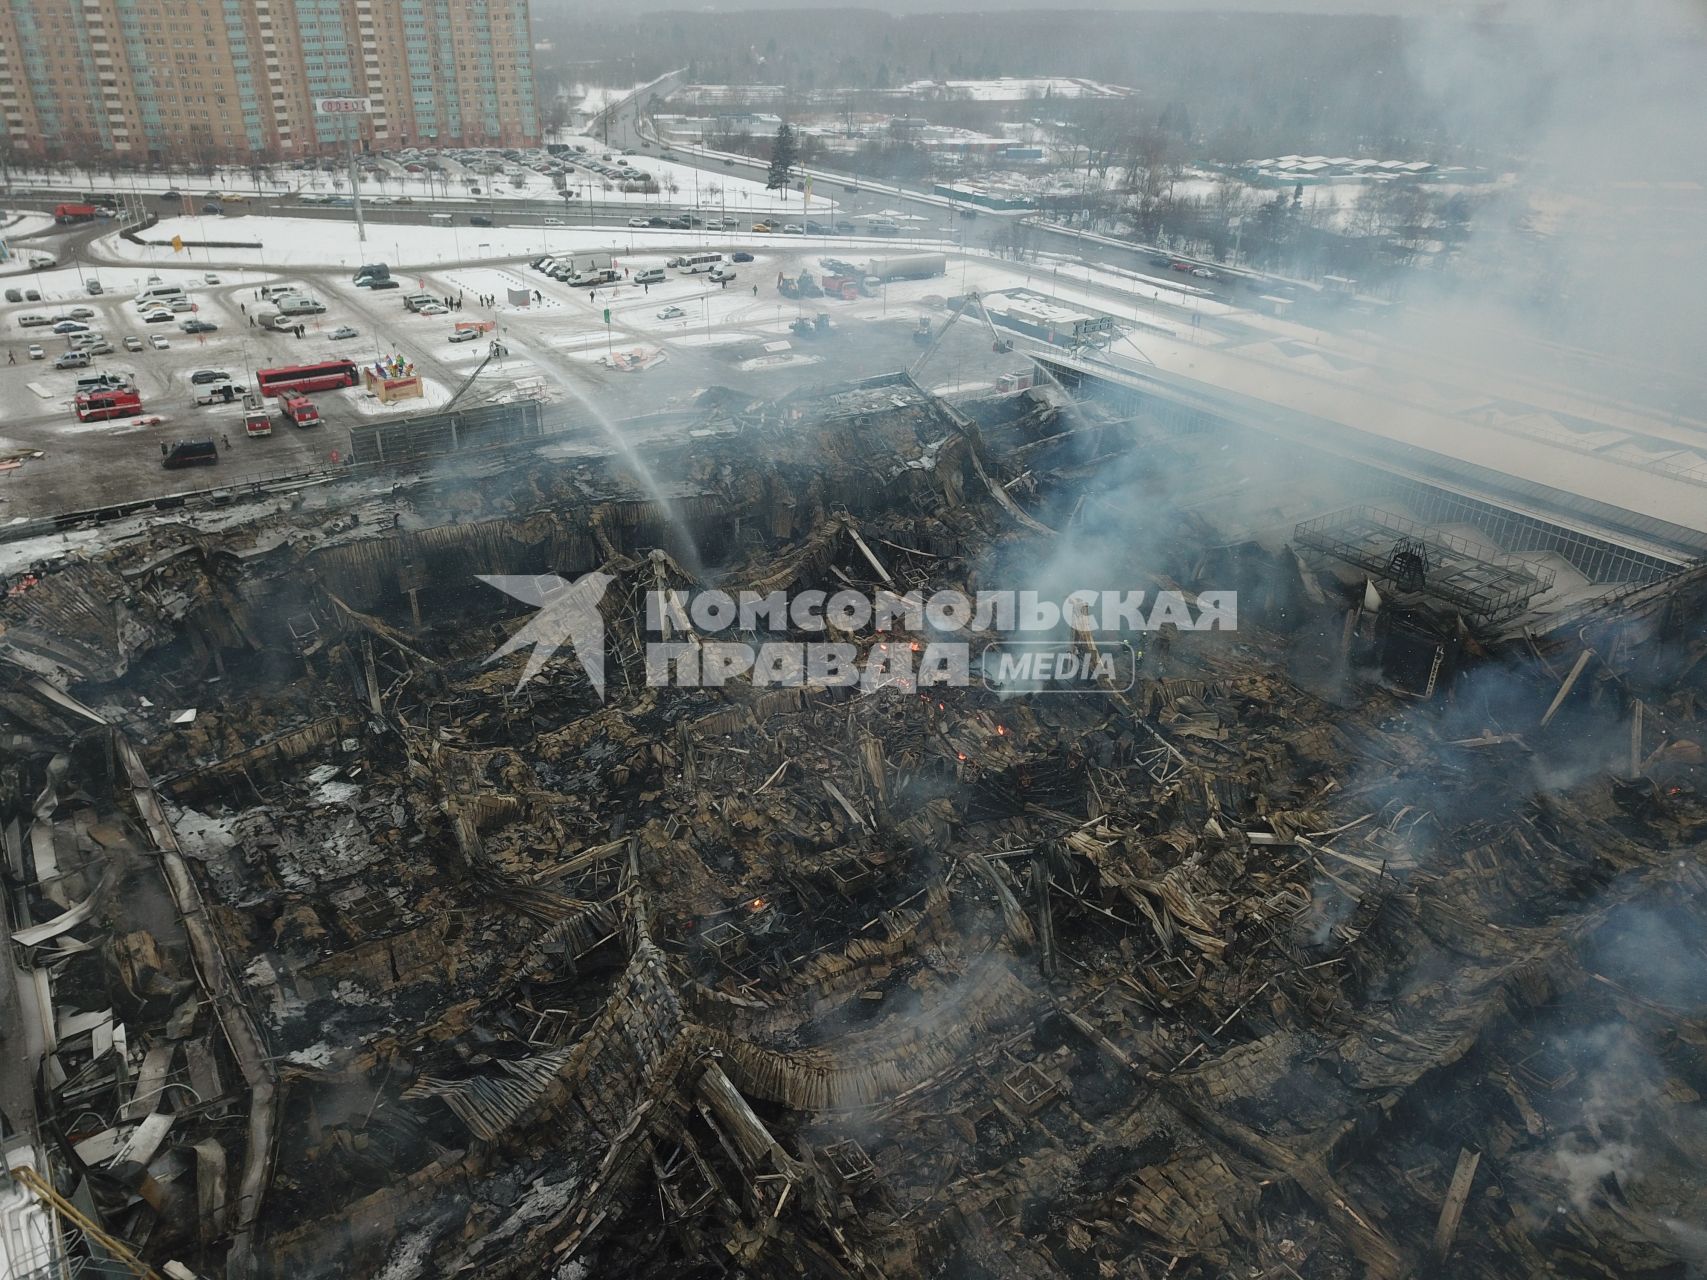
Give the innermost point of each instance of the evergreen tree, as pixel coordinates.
(783, 158)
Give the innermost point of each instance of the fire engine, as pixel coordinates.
(96, 406)
(299, 411)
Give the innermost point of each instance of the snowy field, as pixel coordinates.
(311, 242)
(677, 183)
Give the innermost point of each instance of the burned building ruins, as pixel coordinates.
(1362, 940)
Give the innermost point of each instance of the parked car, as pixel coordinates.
(671, 313)
(343, 331)
(741, 257)
(100, 347)
(32, 321)
(657, 222)
(464, 335)
(72, 360)
(71, 326)
(93, 288)
(638, 222)
(32, 295)
(387, 283)
(199, 326)
(81, 313)
(14, 295)
(479, 220)
(36, 351)
(133, 343)
(156, 317)
(209, 375)
(432, 309)
(158, 341)
(793, 229)
(209, 277)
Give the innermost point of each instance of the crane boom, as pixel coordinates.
(972, 299)
(496, 352)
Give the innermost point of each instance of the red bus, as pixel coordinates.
(298, 410)
(328, 375)
(94, 406)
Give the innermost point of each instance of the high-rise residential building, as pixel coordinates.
(238, 79)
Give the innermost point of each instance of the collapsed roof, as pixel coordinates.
(1280, 961)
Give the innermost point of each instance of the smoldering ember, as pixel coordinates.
(1360, 941)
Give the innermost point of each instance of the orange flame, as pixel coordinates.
(758, 904)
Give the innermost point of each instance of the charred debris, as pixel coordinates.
(338, 954)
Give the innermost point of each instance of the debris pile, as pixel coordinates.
(1256, 964)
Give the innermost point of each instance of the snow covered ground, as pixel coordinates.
(677, 183)
(309, 242)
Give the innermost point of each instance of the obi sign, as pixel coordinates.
(343, 106)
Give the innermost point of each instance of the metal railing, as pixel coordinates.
(1477, 578)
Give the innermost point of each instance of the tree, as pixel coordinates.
(783, 157)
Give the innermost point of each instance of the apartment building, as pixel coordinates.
(231, 80)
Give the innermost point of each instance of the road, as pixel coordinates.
(854, 196)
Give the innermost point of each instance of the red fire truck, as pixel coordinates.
(298, 411)
(68, 213)
(95, 406)
(255, 419)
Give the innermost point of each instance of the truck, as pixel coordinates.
(911, 266)
(97, 406)
(255, 420)
(298, 411)
(584, 263)
(66, 214)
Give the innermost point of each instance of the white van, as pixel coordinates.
(297, 305)
(652, 275)
(439, 219)
(159, 293)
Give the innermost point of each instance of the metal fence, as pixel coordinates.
(1481, 581)
(434, 435)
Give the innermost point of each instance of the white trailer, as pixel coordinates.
(910, 266)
